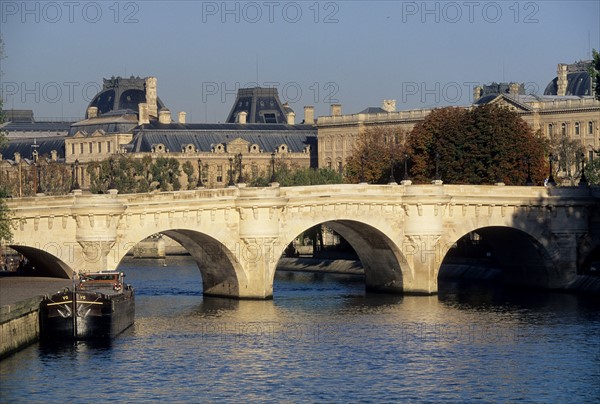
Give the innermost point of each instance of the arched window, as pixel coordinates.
(550, 129)
(577, 128)
(563, 129)
(590, 128)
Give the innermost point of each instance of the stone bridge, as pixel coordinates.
(401, 233)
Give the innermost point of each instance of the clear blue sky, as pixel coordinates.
(356, 53)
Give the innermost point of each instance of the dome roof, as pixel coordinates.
(120, 94)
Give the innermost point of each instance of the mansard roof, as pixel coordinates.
(261, 104)
(25, 149)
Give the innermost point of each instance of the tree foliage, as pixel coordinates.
(567, 155)
(592, 172)
(375, 150)
(287, 177)
(485, 145)
(129, 175)
(595, 73)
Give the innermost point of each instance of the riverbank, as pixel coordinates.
(301, 264)
(20, 298)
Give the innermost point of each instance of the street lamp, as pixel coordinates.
(199, 183)
(583, 180)
(551, 176)
(362, 168)
(240, 177)
(273, 179)
(75, 175)
(405, 178)
(529, 180)
(231, 183)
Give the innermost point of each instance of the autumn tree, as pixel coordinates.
(375, 150)
(485, 145)
(567, 154)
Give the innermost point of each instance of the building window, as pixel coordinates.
(563, 129)
(91, 150)
(72, 148)
(590, 128)
(340, 167)
(80, 148)
(108, 147)
(99, 147)
(577, 128)
(591, 156)
(270, 118)
(550, 129)
(219, 173)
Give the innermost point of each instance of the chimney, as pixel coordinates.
(54, 155)
(561, 82)
(92, 112)
(389, 105)
(309, 115)
(151, 98)
(181, 117)
(477, 93)
(513, 88)
(336, 109)
(164, 116)
(143, 117)
(241, 117)
(291, 117)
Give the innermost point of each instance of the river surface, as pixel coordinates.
(322, 339)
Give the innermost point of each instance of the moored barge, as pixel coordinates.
(100, 305)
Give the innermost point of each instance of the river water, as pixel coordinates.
(322, 339)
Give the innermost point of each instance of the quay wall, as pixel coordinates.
(19, 325)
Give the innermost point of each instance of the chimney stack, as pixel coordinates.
(309, 115)
(164, 116)
(143, 117)
(151, 97)
(92, 112)
(513, 88)
(291, 118)
(336, 109)
(181, 117)
(477, 93)
(561, 82)
(241, 117)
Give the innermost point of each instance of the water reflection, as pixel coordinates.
(322, 338)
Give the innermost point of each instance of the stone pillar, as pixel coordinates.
(97, 218)
(259, 234)
(421, 247)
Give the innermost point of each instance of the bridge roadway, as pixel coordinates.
(401, 233)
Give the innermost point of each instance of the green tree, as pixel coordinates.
(192, 179)
(592, 172)
(594, 72)
(480, 146)
(299, 176)
(376, 149)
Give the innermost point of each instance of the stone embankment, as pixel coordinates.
(20, 299)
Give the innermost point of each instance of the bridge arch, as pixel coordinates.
(222, 274)
(43, 263)
(382, 260)
(523, 258)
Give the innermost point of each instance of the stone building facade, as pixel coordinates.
(567, 107)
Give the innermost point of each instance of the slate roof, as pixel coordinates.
(373, 110)
(578, 83)
(261, 104)
(23, 146)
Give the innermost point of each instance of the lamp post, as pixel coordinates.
(405, 178)
(529, 180)
(111, 182)
(240, 176)
(199, 183)
(362, 168)
(273, 178)
(392, 179)
(437, 167)
(583, 180)
(74, 175)
(231, 183)
(551, 176)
